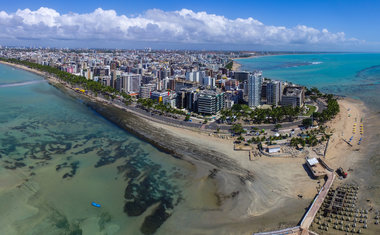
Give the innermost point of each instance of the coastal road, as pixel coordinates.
(211, 126)
(321, 106)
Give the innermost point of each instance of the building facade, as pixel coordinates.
(254, 89)
(273, 92)
(210, 102)
(146, 90)
(293, 96)
(131, 82)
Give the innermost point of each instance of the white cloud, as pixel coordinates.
(184, 26)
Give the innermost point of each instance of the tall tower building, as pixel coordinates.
(273, 92)
(254, 89)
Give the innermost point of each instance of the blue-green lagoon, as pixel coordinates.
(57, 156)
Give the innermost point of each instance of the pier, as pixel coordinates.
(309, 216)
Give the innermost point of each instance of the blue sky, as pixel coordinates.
(358, 20)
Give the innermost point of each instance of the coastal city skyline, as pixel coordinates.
(197, 117)
(250, 25)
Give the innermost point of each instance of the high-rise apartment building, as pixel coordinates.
(195, 76)
(210, 102)
(273, 92)
(254, 89)
(146, 90)
(129, 83)
(241, 76)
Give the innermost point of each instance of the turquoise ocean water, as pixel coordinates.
(352, 75)
(57, 156)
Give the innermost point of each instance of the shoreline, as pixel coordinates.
(265, 194)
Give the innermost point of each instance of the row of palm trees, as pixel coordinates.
(330, 112)
(153, 104)
(258, 115)
(72, 79)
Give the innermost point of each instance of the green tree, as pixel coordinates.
(307, 122)
(240, 138)
(238, 129)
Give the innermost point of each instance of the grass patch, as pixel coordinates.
(311, 110)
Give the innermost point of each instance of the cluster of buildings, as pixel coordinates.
(192, 80)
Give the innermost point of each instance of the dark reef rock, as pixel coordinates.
(132, 173)
(155, 220)
(136, 208)
(19, 164)
(87, 150)
(14, 165)
(76, 232)
(105, 161)
(74, 166)
(60, 166)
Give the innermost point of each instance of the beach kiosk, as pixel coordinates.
(274, 148)
(316, 168)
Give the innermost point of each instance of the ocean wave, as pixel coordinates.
(294, 64)
(21, 83)
(299, 64)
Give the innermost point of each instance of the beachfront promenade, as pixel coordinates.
(303, 228)
(317, 203)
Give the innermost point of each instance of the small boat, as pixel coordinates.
(95, 204)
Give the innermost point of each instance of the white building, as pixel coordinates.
(254, 89)
(195, 76)
(129, 83)
(274, 148)
(208, 81)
